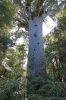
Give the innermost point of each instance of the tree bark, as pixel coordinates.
(36, 51)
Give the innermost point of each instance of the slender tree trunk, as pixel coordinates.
(36, 51)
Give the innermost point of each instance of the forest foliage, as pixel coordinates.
(13, 84)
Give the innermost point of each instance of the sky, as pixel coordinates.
(48, 25)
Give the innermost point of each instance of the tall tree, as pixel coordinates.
(32, 14)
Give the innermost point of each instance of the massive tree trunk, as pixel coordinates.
(36, 51)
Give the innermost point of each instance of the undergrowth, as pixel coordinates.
(40, 88)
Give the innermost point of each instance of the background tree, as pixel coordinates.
(11, 70)
(55, 50)
(7, 10)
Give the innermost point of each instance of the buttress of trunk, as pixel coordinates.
(36, 51)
